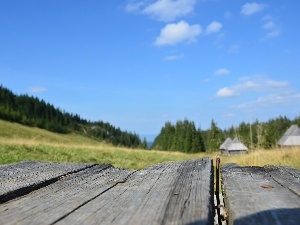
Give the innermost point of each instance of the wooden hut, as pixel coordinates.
(291, 137)
(225, 145)
(233, 147)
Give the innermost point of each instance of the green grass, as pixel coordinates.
(122, 158)
(19, 143)
(10, 132)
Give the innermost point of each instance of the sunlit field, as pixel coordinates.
(19, 143)
(276, 156)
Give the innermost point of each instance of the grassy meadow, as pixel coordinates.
(19, 143)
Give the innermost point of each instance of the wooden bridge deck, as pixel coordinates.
(57, 193)
(168, 193)
(261, 195)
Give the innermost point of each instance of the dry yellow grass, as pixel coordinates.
(277, 156)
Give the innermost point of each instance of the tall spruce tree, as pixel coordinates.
(215, 139)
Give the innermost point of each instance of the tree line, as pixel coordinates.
(32, 111)
(263, 135)
(185, 137)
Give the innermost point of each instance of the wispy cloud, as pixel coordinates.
(36, 89)
(222, 71)
(233, 49)
(226, 92)
(174, 33)
(213, 27)
(227, 15)
(227, 115)
(163, 10)
(173, 57)
(134, 6)
(270, 27)
(272, 99)
(252, 8)
(255, 84)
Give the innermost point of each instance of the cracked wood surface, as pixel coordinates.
(261, 195)
(167, 193)
(19, 178)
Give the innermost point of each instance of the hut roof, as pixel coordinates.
(237, 145)
(233, 145)
(226, 143)
(291, 137)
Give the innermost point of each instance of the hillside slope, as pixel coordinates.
(16, 133)
(21, 143)
(31, 111)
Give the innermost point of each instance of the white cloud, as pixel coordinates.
(173, 57)
(213, 27)
(163, 10)
(275, 84)
(272, 34)
(272, 29)
(36, 89)
(226, 92)
(251, 8)
(134, 6)
(269, 25)
(247, 86)
(175, 33)
(272, 99)
(255, 84)
(222, 71)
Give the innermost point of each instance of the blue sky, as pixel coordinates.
(138, 64)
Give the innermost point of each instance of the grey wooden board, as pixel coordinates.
(261, 195)
(168, 193)
(285, 176)
(53, 202)
(20, 177)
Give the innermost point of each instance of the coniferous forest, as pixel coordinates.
(34, 112)
(182, 136)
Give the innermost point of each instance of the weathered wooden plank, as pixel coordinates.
(286, 176)
(21, 178)
(261, 195)
(55, 201)
(192, 197)
(134, 198)
(169, 193)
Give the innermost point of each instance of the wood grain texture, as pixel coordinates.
(261, 195)
(21, 178)
(168, 193)
(55, 201)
